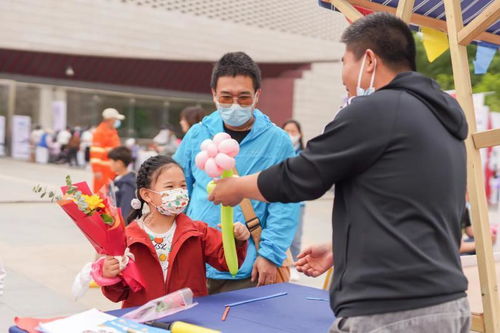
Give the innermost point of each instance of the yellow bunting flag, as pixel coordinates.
(435, 43)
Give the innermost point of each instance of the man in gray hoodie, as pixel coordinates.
(397, 158)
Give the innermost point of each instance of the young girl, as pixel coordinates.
(170, 249)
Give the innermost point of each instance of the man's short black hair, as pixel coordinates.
(121, 154)
(234, 64)
(386, 35)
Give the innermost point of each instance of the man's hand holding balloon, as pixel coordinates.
(231, 191)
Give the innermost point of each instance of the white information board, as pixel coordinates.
(21, 127)
(2, 136)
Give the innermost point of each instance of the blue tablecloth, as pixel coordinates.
(289, 313)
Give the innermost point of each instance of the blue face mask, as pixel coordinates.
(235, 115)
(117, 123)
(371, 89)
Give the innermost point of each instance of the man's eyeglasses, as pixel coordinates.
(243, 100)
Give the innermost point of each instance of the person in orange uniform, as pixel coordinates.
(104, 139)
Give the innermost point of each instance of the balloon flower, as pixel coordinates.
(216, 158)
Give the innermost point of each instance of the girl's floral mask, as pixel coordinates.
(173, 202)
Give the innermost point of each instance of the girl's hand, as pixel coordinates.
(241, 232)
(110, 268)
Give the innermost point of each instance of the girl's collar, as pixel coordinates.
(142, 222)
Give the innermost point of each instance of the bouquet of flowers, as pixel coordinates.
(102, 224)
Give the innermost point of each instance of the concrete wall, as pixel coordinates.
(129, 29)
(118, 28)
(317, 97)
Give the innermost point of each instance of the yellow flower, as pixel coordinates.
(93, 201)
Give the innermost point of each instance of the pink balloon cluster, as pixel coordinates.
(217, 155)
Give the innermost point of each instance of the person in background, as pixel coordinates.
(62, 140)
(63, 137)
(35, 137)
(131, 144)
(190, 116)
(46, 149)
(165, 141)
(468, 245)
(73, 147)
(123, 186)
(86, 142)
(294, 130)
(104, 139)
(41, 147)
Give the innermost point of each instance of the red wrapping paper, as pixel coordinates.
(106, 239)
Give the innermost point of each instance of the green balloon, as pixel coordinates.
(228, 241)
(227, 223)
(210, 187)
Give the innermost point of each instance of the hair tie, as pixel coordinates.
(136, 203)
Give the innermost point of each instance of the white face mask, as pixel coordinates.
(173, 202)
(371, 89)
(295, 139)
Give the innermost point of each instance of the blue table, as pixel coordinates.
(289, 313)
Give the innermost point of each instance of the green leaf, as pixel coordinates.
(108, 219)
(43, 194)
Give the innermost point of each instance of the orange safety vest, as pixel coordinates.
(104, 139)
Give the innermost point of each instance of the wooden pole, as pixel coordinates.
(328, 279)
(475, 177)
(479, 24)
(347, 9)
(421, 20)
(405, 9)
(488, 138)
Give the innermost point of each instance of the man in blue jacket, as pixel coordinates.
(236, 86)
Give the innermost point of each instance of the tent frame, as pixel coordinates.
(459, 37)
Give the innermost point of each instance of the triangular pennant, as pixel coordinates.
(484, 56)
(435, 43)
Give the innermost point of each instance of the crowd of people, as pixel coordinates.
(71, 145)
(67, 146)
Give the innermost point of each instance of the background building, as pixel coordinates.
(61, 63)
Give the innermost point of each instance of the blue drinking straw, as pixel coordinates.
(317, 299)
(257, 299)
